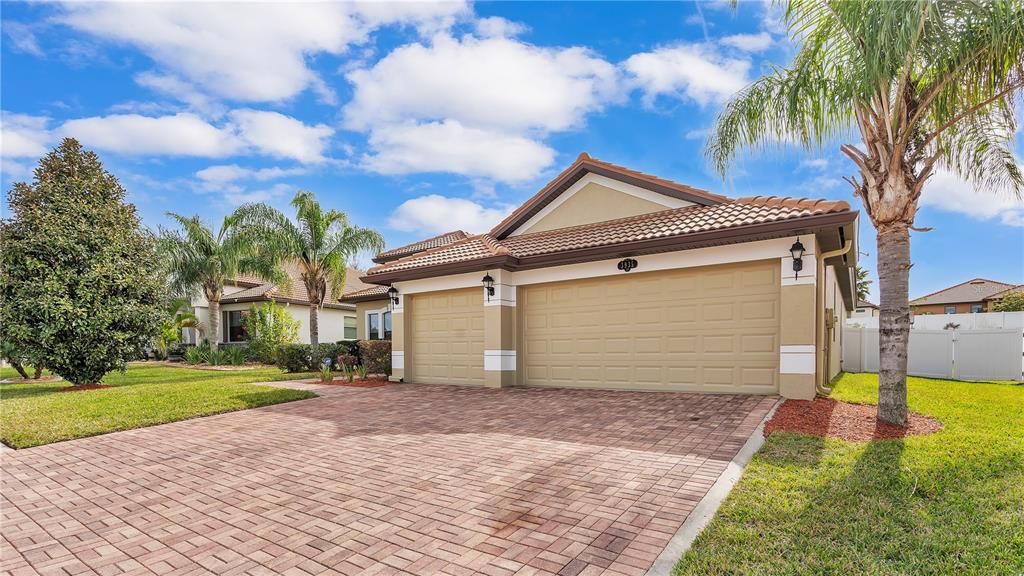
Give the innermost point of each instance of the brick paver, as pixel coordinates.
(400, 479)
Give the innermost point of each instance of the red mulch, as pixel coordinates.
(83, 387)
(367, 383)
(826, 417)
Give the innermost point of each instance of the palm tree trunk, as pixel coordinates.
(314, 329)
(893, 322)
(213, 322)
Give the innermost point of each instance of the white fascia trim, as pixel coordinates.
(499, 360)
(619, 186)
(398, 360)
(797, 362)
(504, 295)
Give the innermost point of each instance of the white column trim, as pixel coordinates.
(499, 360)
(504, 295)
(799, 359)
(398, 360)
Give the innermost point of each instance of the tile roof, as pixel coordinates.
(663, 224)
(295, 291)
(974, 290)
(374, 292)
(866, 304)
(585, 163)
(439, 240)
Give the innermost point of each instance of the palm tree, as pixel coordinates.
(320, 243)
(925, 84)
(176, 317)
(199, 260)
(863, 283)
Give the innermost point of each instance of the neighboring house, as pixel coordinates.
(864, 309)
(611, 278)
(337, 320)
(967, 297)
(994, 299)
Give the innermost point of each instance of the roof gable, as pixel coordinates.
(434, 242)
(584, 165)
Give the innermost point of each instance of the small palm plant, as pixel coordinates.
(326, 373)
(320, 242)
(177, 316)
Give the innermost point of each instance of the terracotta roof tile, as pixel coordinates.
(294, 291)
(373, 290)
(662, 224)
(439, 240)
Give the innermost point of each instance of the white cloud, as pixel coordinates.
(22, 37)
(485, 83)
(181, 134)
(687, 71)
(224, 173)
(815, 163)
(237, 195)
(498, 27)
(697, 133)
(749, 42)
(451, 147)
(945, 191)
(282, 136)
(250, 51)
(172, 86)
(187, 134)
(23, 135)
(434, 214)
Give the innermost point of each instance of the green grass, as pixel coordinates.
(948, 503)
(32, 414)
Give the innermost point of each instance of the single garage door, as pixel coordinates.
(712, 329)
(447, 337)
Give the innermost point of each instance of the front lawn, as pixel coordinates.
(948, 503)
(35, 413)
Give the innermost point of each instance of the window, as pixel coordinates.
(378, 325)
(350, 328)
(950, 310)
(234, 325)
(860, 310)
(975, 308)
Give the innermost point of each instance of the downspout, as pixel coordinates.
(820, 385)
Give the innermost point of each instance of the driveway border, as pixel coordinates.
(708, 505)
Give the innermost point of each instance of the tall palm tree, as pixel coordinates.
(200, 260)
(924, 84)
(321, 243)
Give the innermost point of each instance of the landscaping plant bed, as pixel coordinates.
(212, 368)
(83, 388)
(370, 382)
(829, 418)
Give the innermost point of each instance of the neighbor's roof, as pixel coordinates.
(439, 240)
(295, 292)
(866, 304)
(1008, 291)
(691, 226)
(373, 292)
(974, 290)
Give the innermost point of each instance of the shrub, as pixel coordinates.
(1013, 302)
(375, 355)
(235, 355)
(217, 357)
(81, 286)
(346, 360)
(296, 358)
(197, 354)
(269, 327)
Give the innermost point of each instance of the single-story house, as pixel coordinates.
(612, 278)
(994, 299)
(864, 309)
(337, 320)
(972, 296)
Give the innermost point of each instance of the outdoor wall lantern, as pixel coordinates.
(488, 286)
(392, 297)
(627, 264)
(797, 250)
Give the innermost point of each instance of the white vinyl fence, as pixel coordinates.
(979, 321)
(994, 354)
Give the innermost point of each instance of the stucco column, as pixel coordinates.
(797, 345)
(500, 337)
(398, 331)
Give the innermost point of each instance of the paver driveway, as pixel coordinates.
(400, 479)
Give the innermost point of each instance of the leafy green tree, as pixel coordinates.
(269, 328)
(177, 316)
(863, 283)
(80, 288)
(923, 85)
(201, 261)
(320, 242)
(1012, 302)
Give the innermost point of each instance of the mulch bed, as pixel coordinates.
(367, 383)
(83, 388)
(826, 417)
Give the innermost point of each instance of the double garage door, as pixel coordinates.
(712, 329)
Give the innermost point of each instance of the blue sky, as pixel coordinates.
(417, 118)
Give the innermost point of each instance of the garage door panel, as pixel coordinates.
(712, 329)
(447, 344)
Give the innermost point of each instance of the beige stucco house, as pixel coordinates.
(337, 320)
(611, 278)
